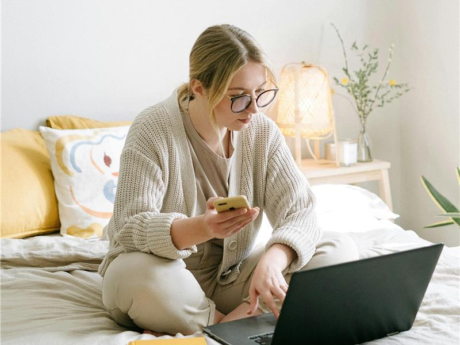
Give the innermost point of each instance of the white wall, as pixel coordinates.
(109, 59)
(430, 114)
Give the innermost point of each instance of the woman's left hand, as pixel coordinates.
(268, 280)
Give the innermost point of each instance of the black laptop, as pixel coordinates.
(349, 303)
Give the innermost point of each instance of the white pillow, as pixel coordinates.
(344, 208)
(85, 165)
(347, 208)
(343, 198)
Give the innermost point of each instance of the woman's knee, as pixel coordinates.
(156, 293)
(333, 248)
(133, 273)
(344, 246)
(171, 311)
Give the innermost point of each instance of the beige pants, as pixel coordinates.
(180, 296)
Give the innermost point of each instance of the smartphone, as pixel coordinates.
(231, 203)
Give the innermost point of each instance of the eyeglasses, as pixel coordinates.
(242, 102)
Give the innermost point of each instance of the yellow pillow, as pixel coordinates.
(28, 201)
(76, 122)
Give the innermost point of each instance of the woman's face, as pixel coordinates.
(249, 80)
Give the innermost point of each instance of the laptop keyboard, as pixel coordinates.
(263, 339)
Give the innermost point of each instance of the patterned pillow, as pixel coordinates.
(85, 164)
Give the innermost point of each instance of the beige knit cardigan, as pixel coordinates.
(156, 185)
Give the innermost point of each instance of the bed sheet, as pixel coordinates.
(51, 292)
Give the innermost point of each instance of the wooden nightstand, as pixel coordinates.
(321, 172)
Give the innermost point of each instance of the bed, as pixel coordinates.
(51, 291)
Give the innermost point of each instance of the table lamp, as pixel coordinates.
(305, 106)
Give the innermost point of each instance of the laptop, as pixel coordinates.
(348, 303)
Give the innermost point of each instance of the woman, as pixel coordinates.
(174, 263)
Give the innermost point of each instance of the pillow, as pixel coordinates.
(344, 208)
(85, 166)
(347, 208)
(76, 122)
(348, 198)
(29, 206)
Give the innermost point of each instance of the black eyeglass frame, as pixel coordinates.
(233, 99)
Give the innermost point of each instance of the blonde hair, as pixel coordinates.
(217, 55)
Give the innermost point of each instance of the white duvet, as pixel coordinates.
(51, 292)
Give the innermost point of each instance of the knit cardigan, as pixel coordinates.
(156, 185)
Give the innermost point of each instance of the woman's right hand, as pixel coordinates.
(225, 224)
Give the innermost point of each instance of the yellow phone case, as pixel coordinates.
(231, 203)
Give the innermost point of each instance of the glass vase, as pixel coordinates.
(364, 145)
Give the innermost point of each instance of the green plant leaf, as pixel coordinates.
(458, 174)
(443, 203)
(437, 225)
(450, 214)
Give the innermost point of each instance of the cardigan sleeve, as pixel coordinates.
(138, 223)
(290, 205)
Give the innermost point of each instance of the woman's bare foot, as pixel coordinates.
(218, 316)
(239, 312)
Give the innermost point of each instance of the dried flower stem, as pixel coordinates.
(343, 49)
(346, 70)
(371, 106)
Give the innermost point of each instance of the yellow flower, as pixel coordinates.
(332, 91)
(392, 82)
(345, 81)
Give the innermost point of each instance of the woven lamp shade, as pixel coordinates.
(304, 102)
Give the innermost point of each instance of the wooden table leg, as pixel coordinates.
(384, 188)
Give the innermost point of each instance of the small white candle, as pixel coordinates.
(348, 152)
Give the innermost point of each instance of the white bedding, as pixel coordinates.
(60, 303)
(51, 292)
